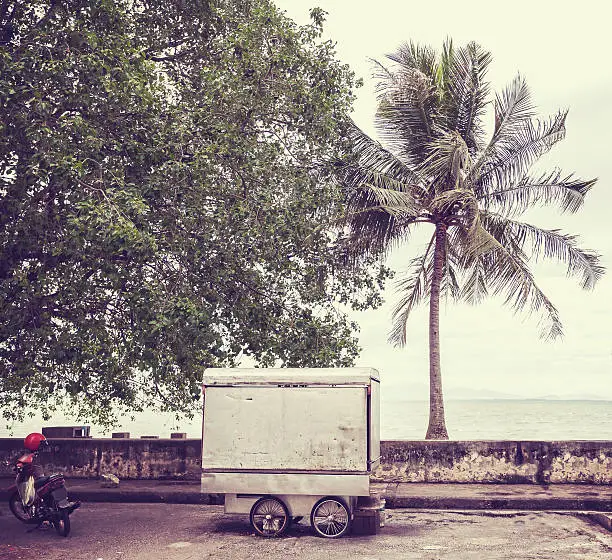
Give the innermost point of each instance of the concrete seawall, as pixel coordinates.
(511, 462)
(538, 462)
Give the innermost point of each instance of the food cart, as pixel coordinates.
(284, 444)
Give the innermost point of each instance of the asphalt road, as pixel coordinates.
(105, 531)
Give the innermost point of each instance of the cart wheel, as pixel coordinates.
(269, 517)
(330, 518)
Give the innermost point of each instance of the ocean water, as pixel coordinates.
(503, 419)
(404, 419)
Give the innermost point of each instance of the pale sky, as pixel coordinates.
(562, 48)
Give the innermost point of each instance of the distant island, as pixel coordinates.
(418, 392)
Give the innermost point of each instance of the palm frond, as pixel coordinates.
(377, 219)
(513, 154)
(383, 198)
(371, 159)
(466, 259)
(469, 91)
(372, 198)
(406, 107)
(547, 189)
(474, 240)
(502, 269)
(443, 70)
(474, 289)
(509, 275)
(411, 55)
(513, 107)
(414, 288)
(548, 244)
(447, 163)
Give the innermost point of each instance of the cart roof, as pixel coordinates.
(273, 376)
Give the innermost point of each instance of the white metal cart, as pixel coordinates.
(284, 444)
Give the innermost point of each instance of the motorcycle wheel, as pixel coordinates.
(62, 523)
(19, 511)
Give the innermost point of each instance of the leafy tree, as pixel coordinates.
(437, 166)
(164, 174)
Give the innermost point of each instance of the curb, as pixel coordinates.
(118, 495)
(532, 504)
(603, 519)
(146, 497)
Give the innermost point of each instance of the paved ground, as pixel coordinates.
(115, 531)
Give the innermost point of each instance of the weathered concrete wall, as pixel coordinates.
(534, 462)
(136, 458)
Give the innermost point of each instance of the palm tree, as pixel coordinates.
(438, 166)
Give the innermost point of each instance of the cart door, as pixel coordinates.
(275, 428)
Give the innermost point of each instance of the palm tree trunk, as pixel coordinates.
(437, 424)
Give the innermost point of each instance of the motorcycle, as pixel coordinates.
(39, 501)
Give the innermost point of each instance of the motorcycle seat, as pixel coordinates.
(41, 481)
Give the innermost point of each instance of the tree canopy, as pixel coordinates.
(165, 179)
(440, 164)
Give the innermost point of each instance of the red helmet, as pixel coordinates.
(33, 441)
